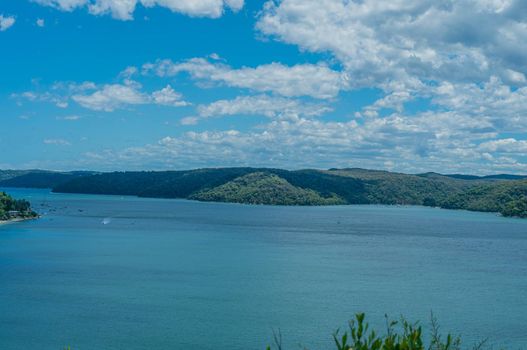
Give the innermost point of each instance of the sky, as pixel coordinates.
(409, 86)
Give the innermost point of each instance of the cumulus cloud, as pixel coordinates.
(111, 97)
(509, 145)
(124, 9)
(492, 99)
(314, 80)
(424, 142)
(108, 97)
(116, 96)
(6, 22)
(168, 97)
(381, 40)
(263, 105)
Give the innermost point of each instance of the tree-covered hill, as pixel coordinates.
(159, 184)
(507, 197)
(9, 174)
(11, 208)
(498, 193)
(383, 187)
(265, 188)
(37, 178)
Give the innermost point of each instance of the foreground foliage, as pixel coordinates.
(400, 335)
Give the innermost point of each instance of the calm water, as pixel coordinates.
(103, 272)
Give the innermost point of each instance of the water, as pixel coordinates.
(109, 272)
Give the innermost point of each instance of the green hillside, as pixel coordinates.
(383, 187)
(11, 208)
(265, 188)
(508, 198)
(9, 174)
(503, 193)
(37, 178)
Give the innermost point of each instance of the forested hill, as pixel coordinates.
(38, 178)
(11, 208)
(505, 194)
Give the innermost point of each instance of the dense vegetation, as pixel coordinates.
(265, 188)
(503, 193)
(509, 198)
(14, 208)
(401, 335)
(37, 178)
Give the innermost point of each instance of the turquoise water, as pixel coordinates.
(109, 272)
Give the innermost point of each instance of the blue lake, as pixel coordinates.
(110, 272)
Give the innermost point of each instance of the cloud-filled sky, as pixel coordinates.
(411, 86)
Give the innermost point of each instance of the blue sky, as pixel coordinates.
(178, 84)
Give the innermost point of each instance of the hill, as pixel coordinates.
(11, 208)
(508, 198)
(265, 188)
(496, 193)
(9, 174)
(384, 187)
(37, 178)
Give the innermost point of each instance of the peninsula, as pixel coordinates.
(14, 209)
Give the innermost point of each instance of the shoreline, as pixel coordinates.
(497, 213)
(12, 221)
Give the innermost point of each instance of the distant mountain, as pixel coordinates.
(474, 177)
(9, 174)
(37, 178)
(504, 177)
(506, 194)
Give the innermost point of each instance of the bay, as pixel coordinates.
(112, 272)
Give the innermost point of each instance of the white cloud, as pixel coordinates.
(493, 99)
(111, 97)
(124, 9)
(108, 97)
(168, 97)
(70, 118)
(57, 99)
(64, 5)
(509, 145)
(6, 22)
(189, 121)
(259, 105)
(379, 41)
(314, 80)
(115, 96)
(128, 72)
(442, 141)
(40, 22)
(197, 8)
(56, 142)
